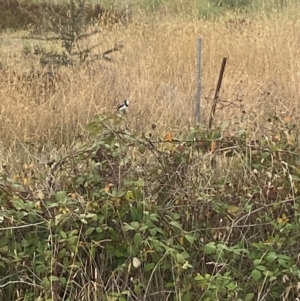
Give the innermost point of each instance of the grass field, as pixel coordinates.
(157, 70)
(162, 220)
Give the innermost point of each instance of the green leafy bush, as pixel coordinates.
(136, 217)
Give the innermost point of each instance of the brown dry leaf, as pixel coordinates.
(285, 278)
(271, 192)
(287, 119)
(290, 138)
(283, 219)
(73, 196)
(37, 205)
(63, 210)
(180, 148)
(269, 243)
(40, 195)
(27, 166)
(213, 146)
(276, 138)
(108, 187)
(117, 203)
(269, 175)
(169, 137)
(136, 262)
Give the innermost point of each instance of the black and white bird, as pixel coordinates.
(124, 106)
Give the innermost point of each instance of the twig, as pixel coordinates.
(22, 282)
(53, 38)
(116, 48)
(86, 35)
(22, 226)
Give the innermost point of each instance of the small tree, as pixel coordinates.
(72, 33)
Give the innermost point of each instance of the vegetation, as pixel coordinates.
(129, 218)
(44, 16)
(96, 205)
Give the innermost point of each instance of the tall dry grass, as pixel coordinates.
(156, 70)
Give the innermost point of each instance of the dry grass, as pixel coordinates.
(156, 70)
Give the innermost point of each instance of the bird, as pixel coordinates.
(124, 106)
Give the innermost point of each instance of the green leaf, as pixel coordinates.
(271, 257)
(261, 267)
(20, 215)
(128, 228)
(45, 283)
(99, 230)
(239, 251)
(63, 234)
(210, 248)
(256, 275)
(185, 255)
(187, 296)
(62, 253)
(265, 155)
(295, 178)
(29, 206)
(176, 225)
(18, 204)
(52, 205)
(285, 257)
(154, 217)
(137, 289)
(283, 263)
(135, 214)
(259, 167)
(90, 215)
(4, 242)
(89, 231)
(143, 228)
(152, 232)
(180, 258)
(159, 230)
(268, 274)
(62, 280)
(93, 127)
(84, 221)
(61, 196)
(169, 284)
(149, 266)
(119, 252)
(135, 225)
(249, 297)
(137, 239)
(142, 149)
(190, 239)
